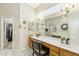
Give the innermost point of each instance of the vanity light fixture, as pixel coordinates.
(67, 8)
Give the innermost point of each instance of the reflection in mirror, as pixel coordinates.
(37, 26)
(49, 26)
(64, 26)
(54, 26)
(30, 26)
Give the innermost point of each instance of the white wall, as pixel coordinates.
(26, 13)
(73, 22)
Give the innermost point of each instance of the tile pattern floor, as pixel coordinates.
(9, 45)
(10, 52)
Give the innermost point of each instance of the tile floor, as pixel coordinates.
(10, 52)
(9, 45)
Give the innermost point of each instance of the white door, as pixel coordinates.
(3, 36)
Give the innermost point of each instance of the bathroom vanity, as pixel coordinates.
(56, 48)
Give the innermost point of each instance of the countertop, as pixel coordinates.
(57, 42)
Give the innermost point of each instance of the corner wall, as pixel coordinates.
(26, 13)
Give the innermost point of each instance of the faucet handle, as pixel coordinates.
(67, 41)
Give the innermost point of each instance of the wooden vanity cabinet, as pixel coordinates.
(56, 51)
(53, 50)
(64, 52)
(30, 42)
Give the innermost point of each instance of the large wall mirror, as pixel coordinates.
(34, 25)
(30, 26)
(56, 26)
(49, 26)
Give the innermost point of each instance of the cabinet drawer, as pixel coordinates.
(67, 53)
(53, 53)
(46, 44)
(54, 48)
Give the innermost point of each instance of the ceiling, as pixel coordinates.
(34, 5)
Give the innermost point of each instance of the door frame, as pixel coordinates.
(2, 29)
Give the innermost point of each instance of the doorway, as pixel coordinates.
(7, 32)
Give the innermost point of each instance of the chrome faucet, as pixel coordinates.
(67, 41)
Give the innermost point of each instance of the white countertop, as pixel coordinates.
(57, 42)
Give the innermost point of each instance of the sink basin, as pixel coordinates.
(37, 35)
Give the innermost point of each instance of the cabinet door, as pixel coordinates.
(67, 53)
(54, 48)
(53, 53)
(30, 42)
